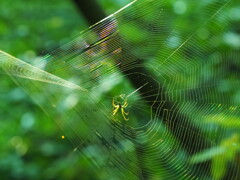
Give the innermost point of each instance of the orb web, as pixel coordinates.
(174, 110)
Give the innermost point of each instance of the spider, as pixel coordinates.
(120, 104)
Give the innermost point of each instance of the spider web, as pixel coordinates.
(164, 79)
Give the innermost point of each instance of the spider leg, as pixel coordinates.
(125, 104)
(124, 113)
(114, 105)
(115, 110)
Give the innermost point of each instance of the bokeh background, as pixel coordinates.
(32, 145)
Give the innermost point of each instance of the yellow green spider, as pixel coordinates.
(120, 102)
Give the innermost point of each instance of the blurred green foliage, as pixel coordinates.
(32, 146)
(31, 143)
